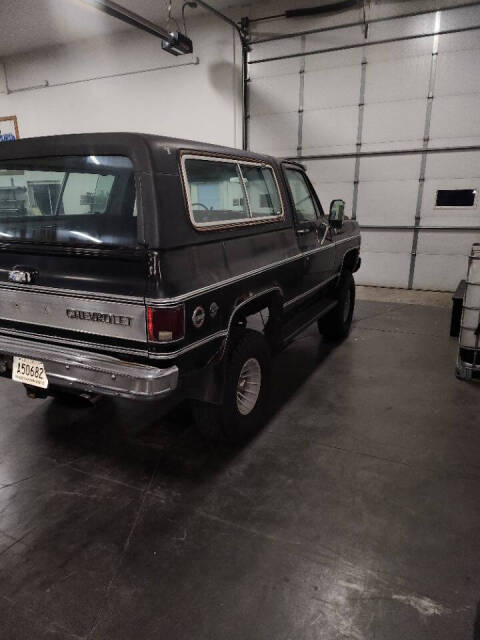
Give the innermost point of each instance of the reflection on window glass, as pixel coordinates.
(216, 192)
(71, 199)
(302, 200)
(263, 197)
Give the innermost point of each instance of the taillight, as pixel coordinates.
(165, 324)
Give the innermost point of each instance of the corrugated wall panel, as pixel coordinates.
(396, 114)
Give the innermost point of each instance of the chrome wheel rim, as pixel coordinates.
(248, 386)
(346, 306)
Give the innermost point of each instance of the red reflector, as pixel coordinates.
(165, 324)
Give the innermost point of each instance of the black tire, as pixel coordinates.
(226, 422)
(336, 324)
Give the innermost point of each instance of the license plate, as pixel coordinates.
(29, 372)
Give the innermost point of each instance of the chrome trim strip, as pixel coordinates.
(70, 341)
(168, 355)
(305, 294)
(211, 287)
(218, 334)
(94, 372)
(72, 293)
(310, 321)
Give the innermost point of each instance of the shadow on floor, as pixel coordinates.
(476, 624)
(141, 434)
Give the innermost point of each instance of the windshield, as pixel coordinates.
(74, 200)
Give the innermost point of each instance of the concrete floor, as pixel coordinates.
(354, 514)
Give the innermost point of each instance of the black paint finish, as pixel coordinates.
(354, 513)
(270, 263)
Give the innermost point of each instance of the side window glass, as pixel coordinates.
(216, 192)
(263, 197)
(303, 203)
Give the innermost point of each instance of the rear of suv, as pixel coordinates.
(135, 266)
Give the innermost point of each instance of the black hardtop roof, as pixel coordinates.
(142, 148)
(156, 158)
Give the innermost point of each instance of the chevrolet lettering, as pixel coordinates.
(159, 268)
(93, 316)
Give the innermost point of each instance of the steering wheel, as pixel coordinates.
(200, 204)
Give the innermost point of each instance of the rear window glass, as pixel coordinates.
(80, 200)
(226, 192)
(263, 198)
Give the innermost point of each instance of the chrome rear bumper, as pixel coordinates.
(93, 372)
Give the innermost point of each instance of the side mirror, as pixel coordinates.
(337, 209)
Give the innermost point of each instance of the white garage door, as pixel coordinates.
(384, 122)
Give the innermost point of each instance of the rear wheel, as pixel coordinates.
(245, 400)
(336, 324)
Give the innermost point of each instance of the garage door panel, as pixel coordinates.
(459, 41)
(447, 242)
(458, 72)
(273, 68)
(387, 202)
(274, 95)
(274, 134)
(335, 38)
(334, 60)
(451, 166)
(392, 168)
(394, 122)
(398, 79)
(402, 27)
(341, 170)
(262, 50)
(328, 191)
(454, 216)
(465, 17)
(384, 269)
(455, 119)
(439, 272)
(386, 241)
(397, 50)
(396, 88)
(330, 130)
(332, 87)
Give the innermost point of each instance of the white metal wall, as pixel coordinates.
(416, 93)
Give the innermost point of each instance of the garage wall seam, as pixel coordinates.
(423, 162)
(301, 98)
(361, 108)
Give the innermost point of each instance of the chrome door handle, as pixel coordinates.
(303, 231)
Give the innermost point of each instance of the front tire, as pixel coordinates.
(336, 324)
(246, 391)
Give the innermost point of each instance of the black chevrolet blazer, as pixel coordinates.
(136, 265)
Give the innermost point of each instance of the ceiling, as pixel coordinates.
(33, 24)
